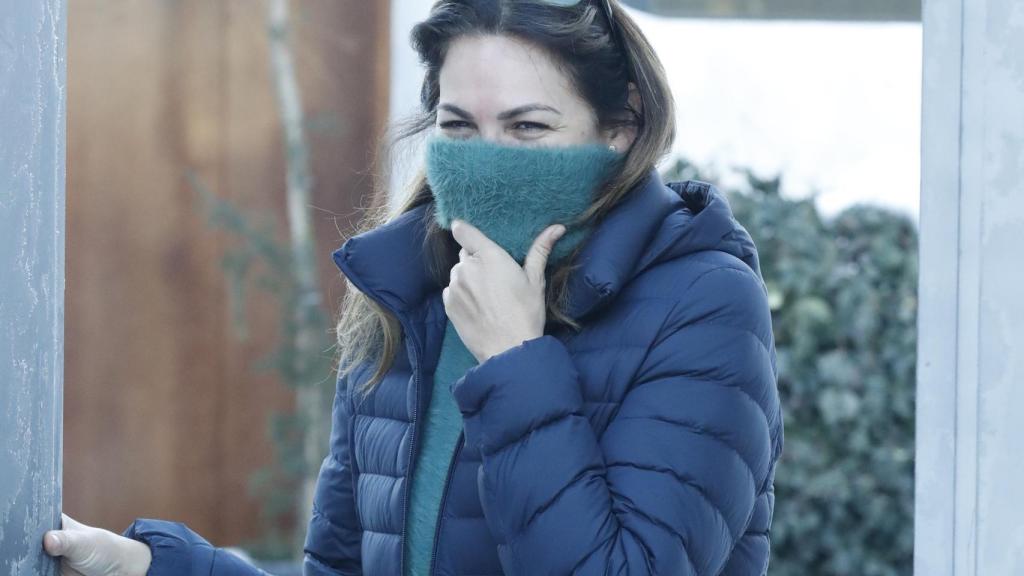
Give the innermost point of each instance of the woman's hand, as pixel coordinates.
(88, 551)
(493, 303)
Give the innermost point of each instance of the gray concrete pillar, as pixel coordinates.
(970, 391)
(32, 149)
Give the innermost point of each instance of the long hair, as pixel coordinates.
(600, 62)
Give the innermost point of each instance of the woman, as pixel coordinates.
(551, 361)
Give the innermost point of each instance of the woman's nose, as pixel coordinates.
(496, 134)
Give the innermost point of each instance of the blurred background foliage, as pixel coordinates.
(259, 259)
(843, 293)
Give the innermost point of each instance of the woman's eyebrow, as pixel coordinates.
(524, 109)
(502, 116)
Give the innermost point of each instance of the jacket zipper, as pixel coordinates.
(444, 497)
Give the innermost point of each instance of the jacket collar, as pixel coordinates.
(653, 222)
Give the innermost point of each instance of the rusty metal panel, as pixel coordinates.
(165, 411)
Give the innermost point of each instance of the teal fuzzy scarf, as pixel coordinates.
(512, 193)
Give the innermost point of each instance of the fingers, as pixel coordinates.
(452, 274)
(63, 543)
(459, 278)
(90, 551)
(52, 543)
(56, 542)
(67, 541)
(69, 523)
(470, 237)
(537, 257)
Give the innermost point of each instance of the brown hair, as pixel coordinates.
(600, 61)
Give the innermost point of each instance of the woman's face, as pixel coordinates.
(506, 90)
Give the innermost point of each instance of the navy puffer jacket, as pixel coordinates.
(646, 443)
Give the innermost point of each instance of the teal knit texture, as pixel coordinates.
(440, 433)
(513, 192)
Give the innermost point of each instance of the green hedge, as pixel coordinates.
(843, 293)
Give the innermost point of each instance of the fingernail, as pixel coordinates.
(55, 544)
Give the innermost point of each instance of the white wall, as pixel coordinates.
(833, 106)
(406, 76)
(969, 501)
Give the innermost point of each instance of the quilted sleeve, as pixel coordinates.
(670, 484)
(334, 538)
(178, 551)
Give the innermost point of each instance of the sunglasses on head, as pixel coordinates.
(604, 5)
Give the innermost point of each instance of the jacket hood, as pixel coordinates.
(653, 223)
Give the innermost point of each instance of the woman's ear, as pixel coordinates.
(623, 135)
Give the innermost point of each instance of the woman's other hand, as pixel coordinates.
(88, 551)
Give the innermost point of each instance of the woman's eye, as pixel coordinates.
(530, 126)
(523, 126)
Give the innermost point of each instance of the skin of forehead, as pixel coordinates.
(487, 75)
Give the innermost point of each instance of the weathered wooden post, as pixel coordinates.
(32, 150)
